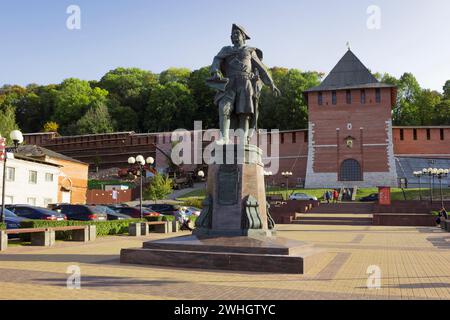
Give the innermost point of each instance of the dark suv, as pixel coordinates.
(82, 212)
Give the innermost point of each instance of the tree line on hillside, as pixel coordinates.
(131, 99)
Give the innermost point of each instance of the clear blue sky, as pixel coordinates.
(154, 34)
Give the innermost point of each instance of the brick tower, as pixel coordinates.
(350, 129)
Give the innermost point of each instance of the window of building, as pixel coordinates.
(402, 134)
(47, 201)
(415, 134)
(10, 174)
(333, 97)
(378, 95)
(442, 134)
(32, 177)
(294, 137)
(282, 138)
(428, 134)
(320, 98)
(9, 200)
(31, 201)
(350, 170)
(49, 177)
(305, 136)
(349, 96)
(363, 96)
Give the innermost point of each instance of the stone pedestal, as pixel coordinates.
(235, 204)
(234, 230)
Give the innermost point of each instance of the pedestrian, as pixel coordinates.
(325, 196)
(183, 219)
(335, 196)
(443, 214)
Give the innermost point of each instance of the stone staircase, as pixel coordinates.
(337, 214)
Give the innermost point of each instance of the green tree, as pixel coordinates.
(446, 89)
(180, 75)
(170, 107)
(129, 90)
(7, 122)
(73, 99)
(405, 111)
(205, 109)
(159, 188)
(96, 120)
(50, 126)
(426, 103)
(289, 111)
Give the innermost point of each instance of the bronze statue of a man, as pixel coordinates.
(238, 74)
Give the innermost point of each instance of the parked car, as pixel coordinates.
(371, 197)
(82, 212)
(163, 208)
(36, 213)
(112, 215)
(301, 196)
(193, 211)
(12, 220)
(134, 212)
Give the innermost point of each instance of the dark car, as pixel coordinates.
(162, 208)
(112, 215)
(12, 220)
(36, 213)
(82, 212)
(371, 197)
(136, 213)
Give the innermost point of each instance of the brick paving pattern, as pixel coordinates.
(414, 263)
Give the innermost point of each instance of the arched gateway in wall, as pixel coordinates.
(350, 170)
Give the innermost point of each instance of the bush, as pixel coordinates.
(193, 202)
(104, 228)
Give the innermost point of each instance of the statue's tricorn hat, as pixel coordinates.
(241, 29)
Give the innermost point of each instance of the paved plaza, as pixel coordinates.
(414, 264)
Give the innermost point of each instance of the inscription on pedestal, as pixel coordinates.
(228, 179)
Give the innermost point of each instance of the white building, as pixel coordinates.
(30, 181)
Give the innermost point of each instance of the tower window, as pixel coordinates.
(363, 96)
(294, 137)
(333, 97)
(320, 98)
(378, 95)
(442, 134)
(428, 134)
(402, 134)
(305, 136)
(282, 138)
(415, 134)
(349, 96)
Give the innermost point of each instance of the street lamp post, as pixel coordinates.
(267, 174)
(287, 174)
(419, 174)
(17, 138)
(429, 172)
(140, 161)
(201, 174)
(442, 173)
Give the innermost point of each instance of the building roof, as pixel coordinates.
(38, 151)
(349, 73)
(31, 159)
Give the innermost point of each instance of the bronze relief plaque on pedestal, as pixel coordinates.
(228, 179)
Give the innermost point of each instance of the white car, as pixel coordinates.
(301, 196)
(191, 211)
